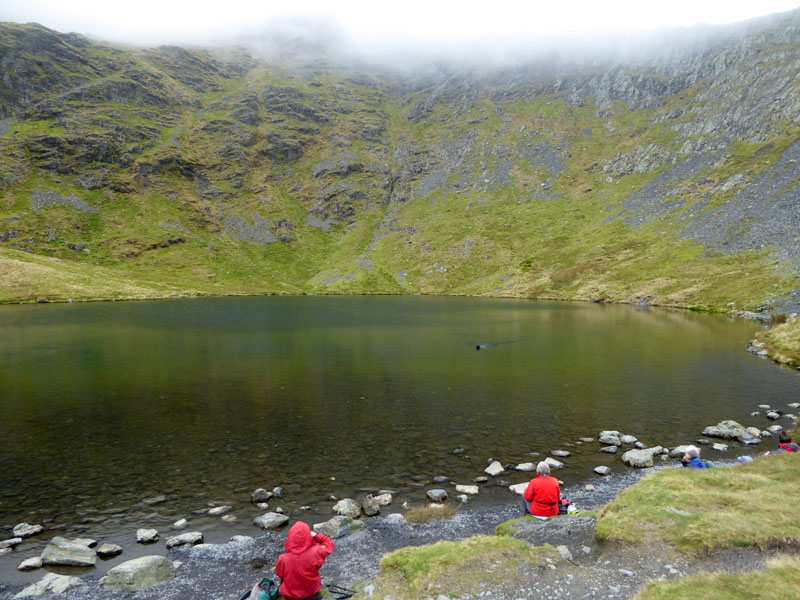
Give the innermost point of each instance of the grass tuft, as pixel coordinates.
(432, 512)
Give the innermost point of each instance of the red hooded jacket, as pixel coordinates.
(544, 494)
(299, 566)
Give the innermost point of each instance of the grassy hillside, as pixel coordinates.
(194, 171)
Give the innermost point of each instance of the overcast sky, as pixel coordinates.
(373, 21)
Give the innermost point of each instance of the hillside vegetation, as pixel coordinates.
(670, 178)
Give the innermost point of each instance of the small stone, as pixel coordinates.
(24, 530)
(794, 405)
(628, 439)
(463, 498)
(467, 489)
(773, 415)
(586, 440)
(481, 479)
(109, 550)
(564, 552)
(775, 428)
(384, 499)
(560, 453)
(193, 537)
(703, 442)
(494, 469)
(441, 479)
(30, 564)
(146, 536)
(755, 413)
(180, 524)
(339, 526)
(764, 406)
(219, 510)
(525, 467)
(280, 511)
(625, 573)
(639, 446)
(260, 495)
(436, 495)
(720, 447)
(230, 518)
(518, 488)
(586, 549)
(10, 543)
(277, 491)
(641, 458)
(88, 542)
(240, 538)
(459, 451)
(602, 470)
(610, 438)
(370, 506)
(766, 434)
(270, 520)
(590, 488)
(262, 505)
(609, 449)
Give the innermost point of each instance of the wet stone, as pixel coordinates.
(219, 510)
(347, 507)
(560, 453)
(494, 469)
(609, 449)
(192, 537)
(146, 536)
(24, 530)
(260, 495)
(436, 495)
(109, 550)
(180, 524)
(602, 470)
(441, 479)
(271, 520)
(154, 500)
(10, 543)
(30, 564)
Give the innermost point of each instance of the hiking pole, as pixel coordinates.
(342, 592)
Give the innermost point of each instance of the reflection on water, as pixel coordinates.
(103, 405)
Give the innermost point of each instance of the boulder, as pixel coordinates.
(270, 520)
(720, 447)
(347, 507)
(138, 574)
(610, 438)
(525, 467)
(24, 530)
(436, 495)
(518, 488)
(370, 506)
(467, 489)
(260, 495)
(50, 583)
(192, 537)
(30, 564)
(727, 430)
(602, 470)
(609, 449)
(338, 526)
(628, 440)
(494, 469)
(109, 550)
(560, 453)
(62, 552)
(553, 463)
(146, 536)
(10, 543)
(641, 458)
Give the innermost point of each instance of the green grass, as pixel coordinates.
(744, 506)
(426, 514)
(782, 342)
(780, 581)
(458, 568)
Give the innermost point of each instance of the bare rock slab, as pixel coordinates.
(139, 574)
(50, 583)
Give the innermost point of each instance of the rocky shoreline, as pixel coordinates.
(214, 569)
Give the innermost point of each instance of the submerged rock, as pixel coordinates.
(138, 574)
(62, 552)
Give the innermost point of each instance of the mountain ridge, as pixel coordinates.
(668, 180)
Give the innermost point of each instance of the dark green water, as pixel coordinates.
(205, 400)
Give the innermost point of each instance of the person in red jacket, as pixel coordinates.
(299, 567)
(543, 495)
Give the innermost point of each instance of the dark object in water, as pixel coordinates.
(479, 346)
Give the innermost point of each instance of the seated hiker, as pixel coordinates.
(785, 442)
(299, 566)
(691, 458)
(542, 496)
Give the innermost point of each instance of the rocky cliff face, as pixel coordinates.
(668, 177)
